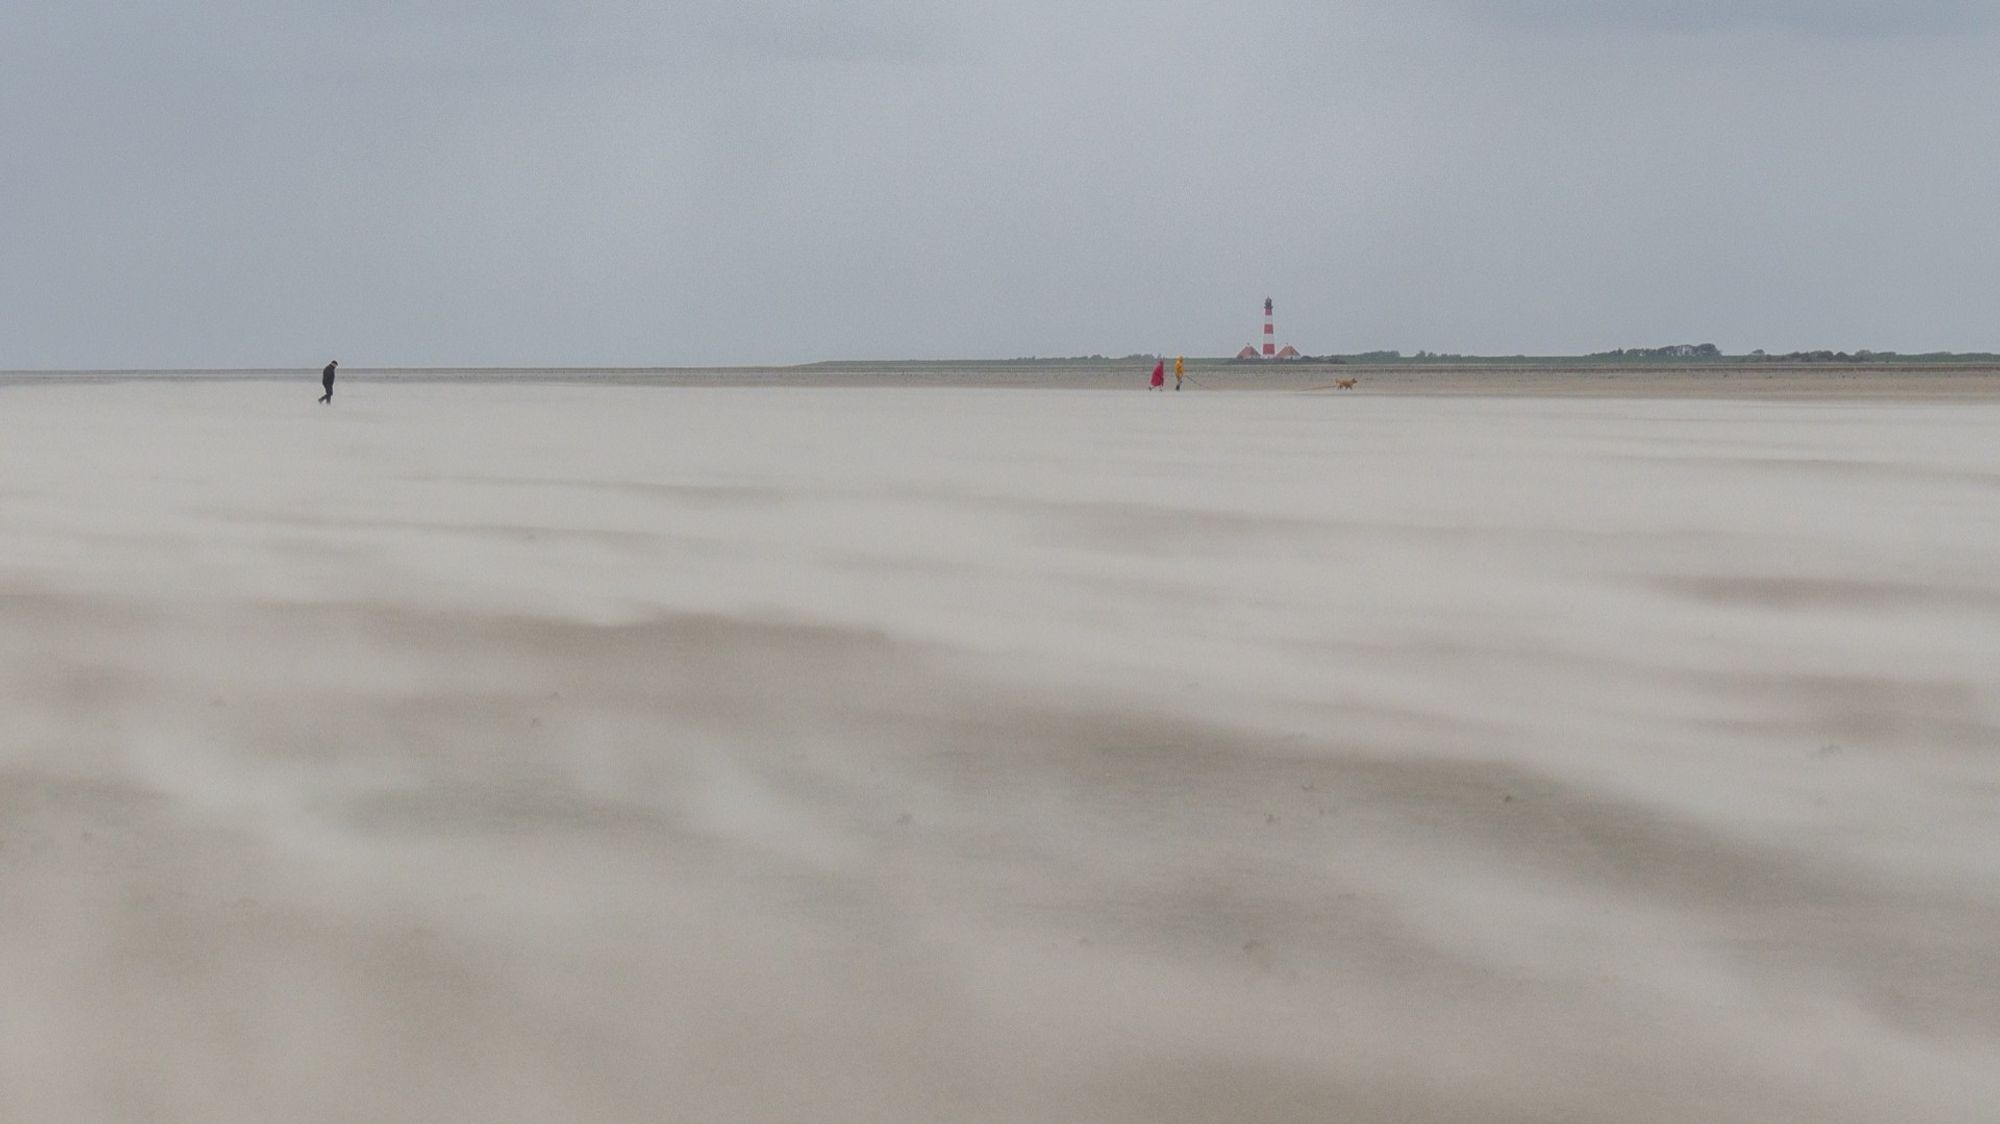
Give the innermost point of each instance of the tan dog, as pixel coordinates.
(1343, 384)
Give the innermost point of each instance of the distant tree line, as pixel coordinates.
(1862, 356)
(1679, 351)
(1867, 356)
(1093, 358)
(1671, 351)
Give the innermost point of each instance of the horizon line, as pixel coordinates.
(1385, 357)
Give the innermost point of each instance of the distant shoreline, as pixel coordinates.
(1891, 380)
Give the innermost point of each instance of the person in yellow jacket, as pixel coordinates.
(1180, 368)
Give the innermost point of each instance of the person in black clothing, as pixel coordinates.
(326, 380)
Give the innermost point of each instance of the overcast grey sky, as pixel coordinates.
(527, 182)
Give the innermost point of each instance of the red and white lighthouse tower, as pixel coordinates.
(1271, 350)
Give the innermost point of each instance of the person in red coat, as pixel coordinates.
(1159, 376)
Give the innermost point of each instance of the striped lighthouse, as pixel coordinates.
(1270, 332)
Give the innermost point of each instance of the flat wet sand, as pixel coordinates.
(529, 751)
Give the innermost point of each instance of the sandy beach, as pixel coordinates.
(485, 749)
(1774, 381)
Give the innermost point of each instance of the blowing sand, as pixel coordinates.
(542, 752)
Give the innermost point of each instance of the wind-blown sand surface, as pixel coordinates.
(540, 752)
